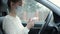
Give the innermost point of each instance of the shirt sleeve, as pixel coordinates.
(25, 30)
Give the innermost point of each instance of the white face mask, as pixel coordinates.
(19, 10)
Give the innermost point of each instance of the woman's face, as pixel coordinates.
(15, 5)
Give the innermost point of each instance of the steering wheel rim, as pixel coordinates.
(46, 24)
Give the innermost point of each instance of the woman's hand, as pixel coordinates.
(30, 24)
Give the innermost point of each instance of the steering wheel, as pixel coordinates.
(46, 23)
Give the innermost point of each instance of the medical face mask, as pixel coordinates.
(19, 10)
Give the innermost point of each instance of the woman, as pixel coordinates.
(12, 24)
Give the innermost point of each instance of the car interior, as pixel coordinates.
(45, 28)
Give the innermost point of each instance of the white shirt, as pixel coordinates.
(13, 25)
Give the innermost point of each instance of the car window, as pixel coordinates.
(56, 2)
(33, 9)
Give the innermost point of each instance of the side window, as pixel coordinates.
(32, 9)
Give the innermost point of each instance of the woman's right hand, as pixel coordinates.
(30, 24)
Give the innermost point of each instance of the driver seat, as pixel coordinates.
(1, 29)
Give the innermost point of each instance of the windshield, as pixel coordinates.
(56, 2)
